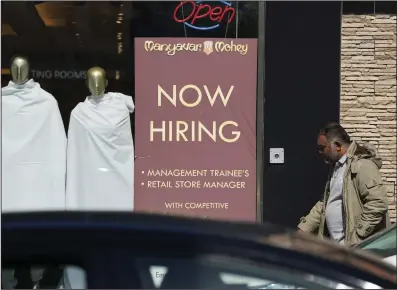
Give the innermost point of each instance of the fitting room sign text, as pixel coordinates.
(195, 127)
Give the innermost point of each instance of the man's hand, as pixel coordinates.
(311, 222)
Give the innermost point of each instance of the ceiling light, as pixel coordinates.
(7, 30)
(121, 14)
(117, 75)
(5, 71)
(51, 13)
(77, 34)
(118, 22)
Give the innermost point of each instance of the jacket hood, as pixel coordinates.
(364, 151)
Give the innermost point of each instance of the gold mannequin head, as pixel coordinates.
(96, 81)
(19, 69)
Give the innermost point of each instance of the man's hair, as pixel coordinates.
(334, 132)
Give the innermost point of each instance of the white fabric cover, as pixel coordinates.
(33, 149)
(100, 166)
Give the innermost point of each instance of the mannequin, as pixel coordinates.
(100, 152)
(20, 68)
(74, 277)
(34, 144)
(33, 154)
(96, 81)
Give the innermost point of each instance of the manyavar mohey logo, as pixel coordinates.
(199, 16)
(208, 47)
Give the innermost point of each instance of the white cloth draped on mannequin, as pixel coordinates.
(33, 149)
(100, 166)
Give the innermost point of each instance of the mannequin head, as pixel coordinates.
(96, 81)
(19, 69)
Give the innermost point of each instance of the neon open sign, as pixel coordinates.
(199, 11)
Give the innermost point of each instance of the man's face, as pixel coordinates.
(327, 150)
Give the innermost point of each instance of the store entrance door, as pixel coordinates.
(302, 86)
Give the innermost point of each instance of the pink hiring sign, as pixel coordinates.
(195, 127)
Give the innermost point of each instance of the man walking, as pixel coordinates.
(354, 204)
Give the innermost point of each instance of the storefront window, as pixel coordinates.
(207, 50)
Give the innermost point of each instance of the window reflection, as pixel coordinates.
(39, 276)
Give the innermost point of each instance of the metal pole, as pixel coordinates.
(260, 102)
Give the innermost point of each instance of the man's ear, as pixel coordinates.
(338, 146)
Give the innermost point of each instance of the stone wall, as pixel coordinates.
(368, 88)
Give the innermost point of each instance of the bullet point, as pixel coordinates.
(142, 183)
(143, 172)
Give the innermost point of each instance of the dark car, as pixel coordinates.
(137, 251)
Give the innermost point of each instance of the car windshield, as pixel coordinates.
(384, 245)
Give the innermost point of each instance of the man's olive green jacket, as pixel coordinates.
(365, 207)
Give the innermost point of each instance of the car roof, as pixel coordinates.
(264, 234)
